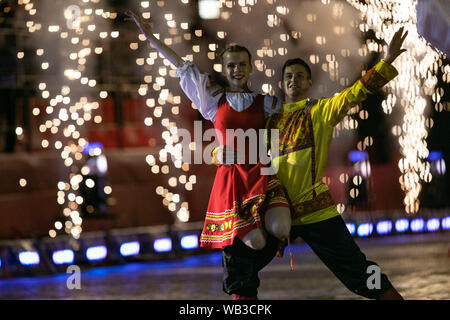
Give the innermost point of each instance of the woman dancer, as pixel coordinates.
(242, 200)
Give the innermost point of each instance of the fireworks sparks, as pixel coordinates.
(68, 35)
(409, 90)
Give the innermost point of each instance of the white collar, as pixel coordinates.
(240, 101)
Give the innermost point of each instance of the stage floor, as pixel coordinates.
(418, 265)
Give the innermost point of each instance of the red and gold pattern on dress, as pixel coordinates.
(221, 228)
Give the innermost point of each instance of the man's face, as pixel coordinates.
(296, 81)
(236, 69)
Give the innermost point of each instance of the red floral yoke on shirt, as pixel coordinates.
(240, 194)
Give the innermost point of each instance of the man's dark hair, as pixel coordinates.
(236, 48)
(299, 61)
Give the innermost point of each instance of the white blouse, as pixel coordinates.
(206, 97)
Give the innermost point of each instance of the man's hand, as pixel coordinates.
(224, 156)
(395, 47)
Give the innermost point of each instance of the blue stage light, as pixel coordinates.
(384, 227)
(0, 263)
(433, 224)
(93, 148)
(364, 229)
(445, 223)
(355, 156)
(402, 225)
(65, 256)
(130, 248)
(96, 253)
(434, 156)
(189, 241)
(162, 245)
(417, 225)
(27, 258)
(351, 227)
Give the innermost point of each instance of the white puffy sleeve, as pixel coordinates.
(200, 89)
(271, 105)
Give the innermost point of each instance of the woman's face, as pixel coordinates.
(236, 69)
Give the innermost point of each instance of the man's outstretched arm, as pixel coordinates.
(334, 109)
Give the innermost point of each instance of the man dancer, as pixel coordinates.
(306, 128)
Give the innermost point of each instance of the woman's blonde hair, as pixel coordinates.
(236, 48)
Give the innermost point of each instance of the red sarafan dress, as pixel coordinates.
(240, 194)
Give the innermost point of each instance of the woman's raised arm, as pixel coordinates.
(146, 29)
(196, 85)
